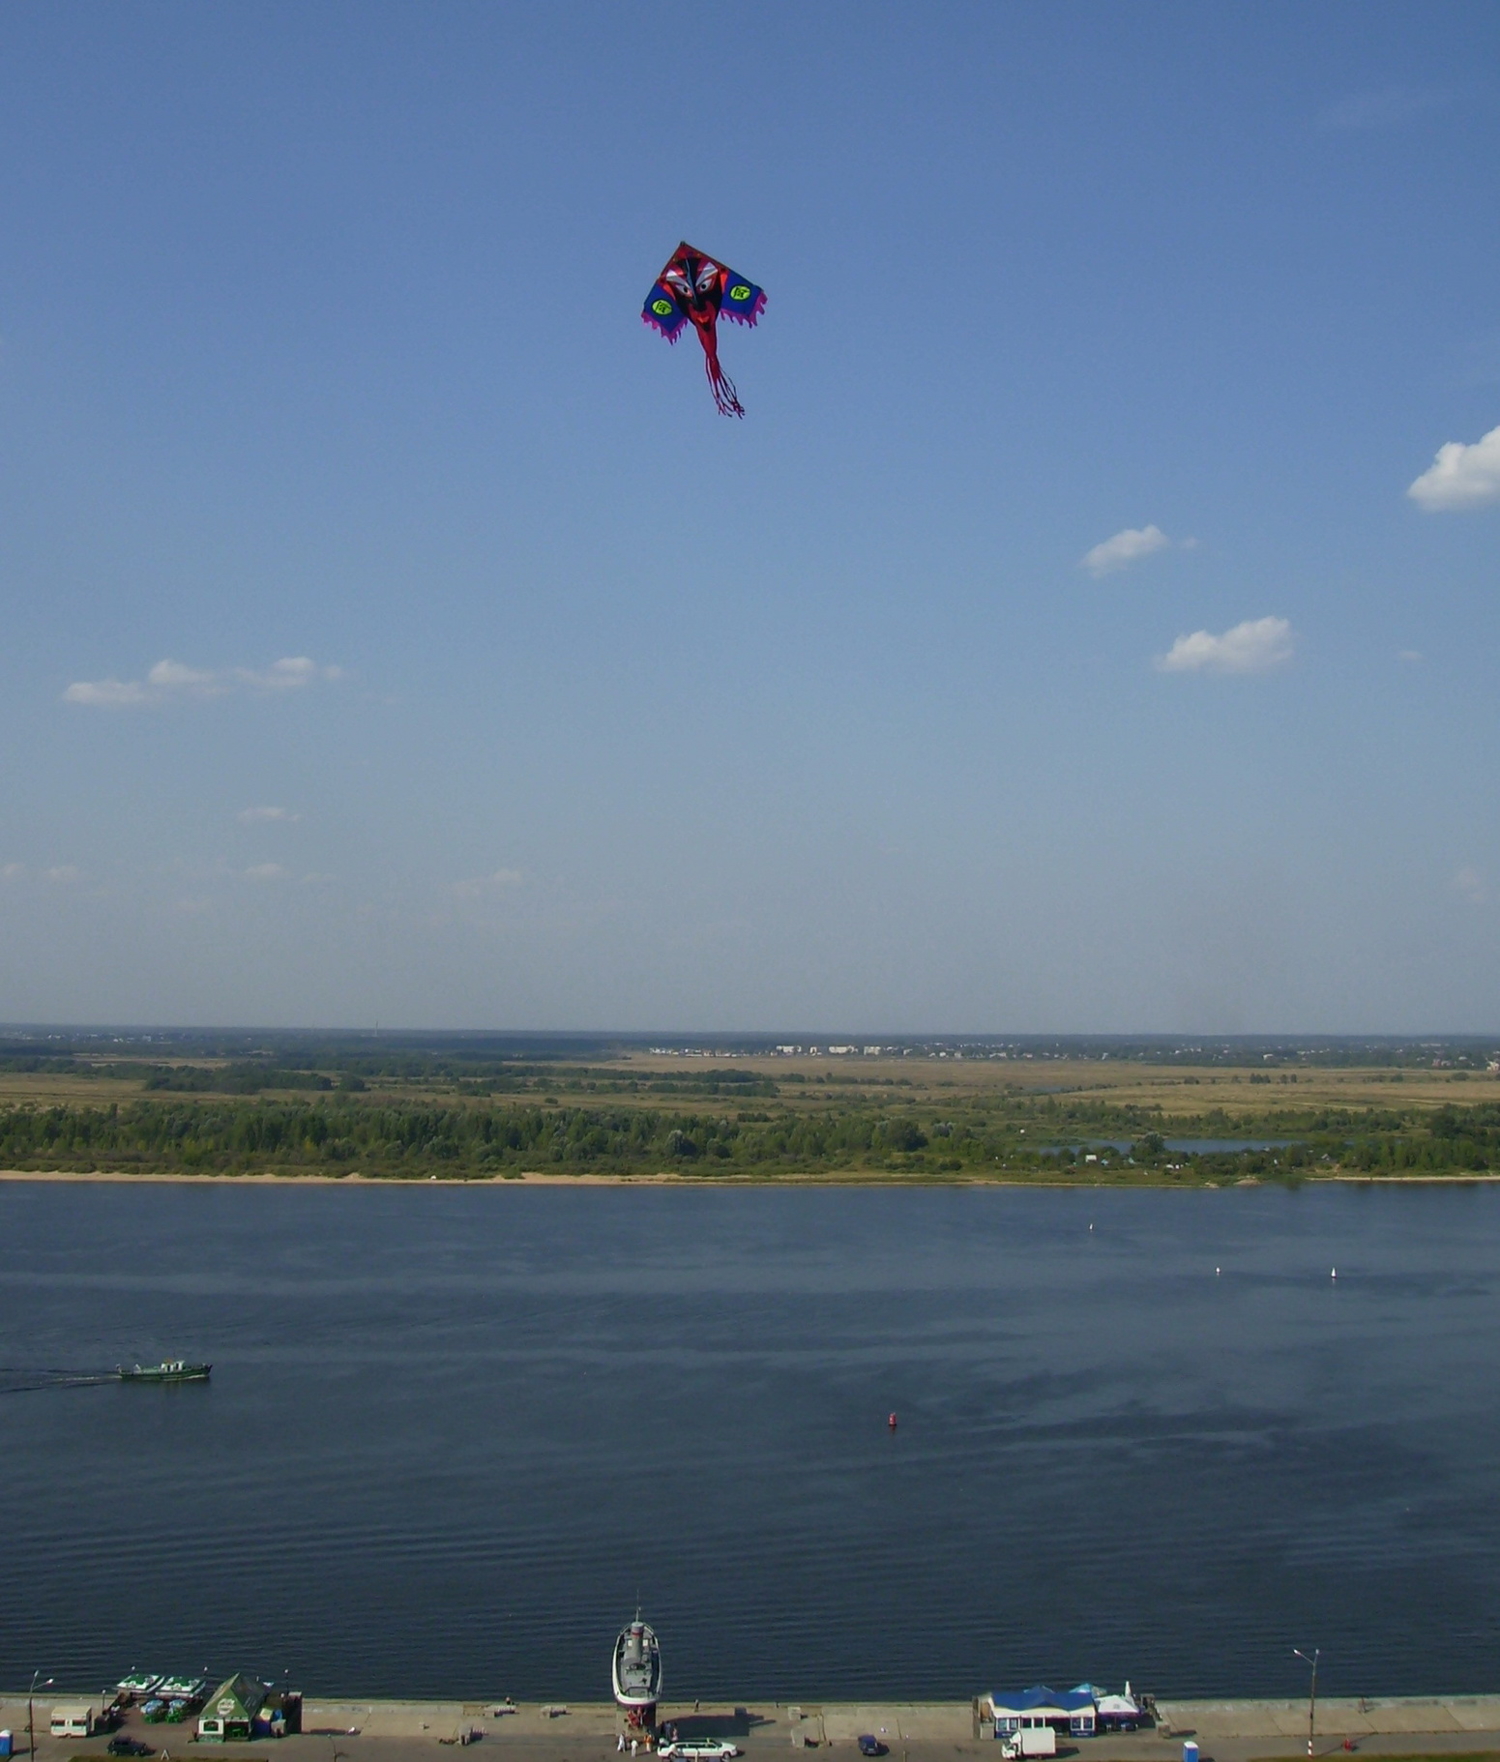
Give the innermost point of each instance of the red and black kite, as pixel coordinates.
(697, 290)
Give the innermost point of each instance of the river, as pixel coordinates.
(454, 1435)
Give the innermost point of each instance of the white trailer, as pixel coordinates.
(73, 1721)
(1030, 1740)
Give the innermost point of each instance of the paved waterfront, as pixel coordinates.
(424, 1731)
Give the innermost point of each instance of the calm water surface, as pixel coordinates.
(453, 1433)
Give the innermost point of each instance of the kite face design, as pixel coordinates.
(694, 289)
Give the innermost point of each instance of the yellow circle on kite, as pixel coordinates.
(661, 307)
(739, 292)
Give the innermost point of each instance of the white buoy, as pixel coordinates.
(1217, 1271)
(1333, 1273)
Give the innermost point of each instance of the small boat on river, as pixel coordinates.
(636, 1672)
(172, 1370)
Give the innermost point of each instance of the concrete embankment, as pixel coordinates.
(422, 1731)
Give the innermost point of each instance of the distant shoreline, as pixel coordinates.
(535, 1178)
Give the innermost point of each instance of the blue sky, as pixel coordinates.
(396, 632)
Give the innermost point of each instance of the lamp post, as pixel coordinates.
(36, 1683)
(1312, 1697)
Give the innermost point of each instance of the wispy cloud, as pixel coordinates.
(1470, 883)
(1128, 547)
(63, 875)
(286, 675)
(479, 885)
(1388, 107)
(1460, 476)
(1413, 656)
(254, 816)
(108, 694)
(173, 676)
(267, 872)
(170, 681)
(1255, 646)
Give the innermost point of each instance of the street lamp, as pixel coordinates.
(1312, 1697)
(36, 1683)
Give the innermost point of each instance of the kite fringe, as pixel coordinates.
(661, 329)
(746, 318)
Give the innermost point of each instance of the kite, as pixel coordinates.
(695, 289)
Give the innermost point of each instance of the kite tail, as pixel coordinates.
(722, 386)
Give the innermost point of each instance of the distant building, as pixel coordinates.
(243, 1708)
(1078, 1713)
(229, 1714)
(1071, 1711)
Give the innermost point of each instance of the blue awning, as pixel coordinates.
(1040, 1699)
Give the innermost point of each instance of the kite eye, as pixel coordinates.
(707, 276)
(662, 308)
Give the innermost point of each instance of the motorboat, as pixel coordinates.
(173, 1370)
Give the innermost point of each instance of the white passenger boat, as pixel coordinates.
(636, 1670)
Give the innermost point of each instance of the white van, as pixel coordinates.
(73, 1722)
(1038, 1740)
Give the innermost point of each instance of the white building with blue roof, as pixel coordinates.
(1069, 1710)
(1080, 1712)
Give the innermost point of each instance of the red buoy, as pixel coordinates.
(891, 1422)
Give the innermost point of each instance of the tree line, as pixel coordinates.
(334, 1135)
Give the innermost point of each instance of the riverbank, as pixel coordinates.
(894, 1122)
(1144, 1178)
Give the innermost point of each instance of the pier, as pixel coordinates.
(573, 1731)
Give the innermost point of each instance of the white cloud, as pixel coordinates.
(107, 694)
(479, 885)
(1380, 109)
(1470, 883)
(1125, 547)
(266, 872)
(284, 675)
(1252, 647)
(64, 874)
(1414, 656)
(173, 676)
(252, 816)
(1461, 476)
(170, 681)
(12, 871)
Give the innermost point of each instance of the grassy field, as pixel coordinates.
(806, 1084)
(1179, 1091)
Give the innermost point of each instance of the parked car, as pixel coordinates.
(129, 1747)
(699, 1749)
(869, 1744)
